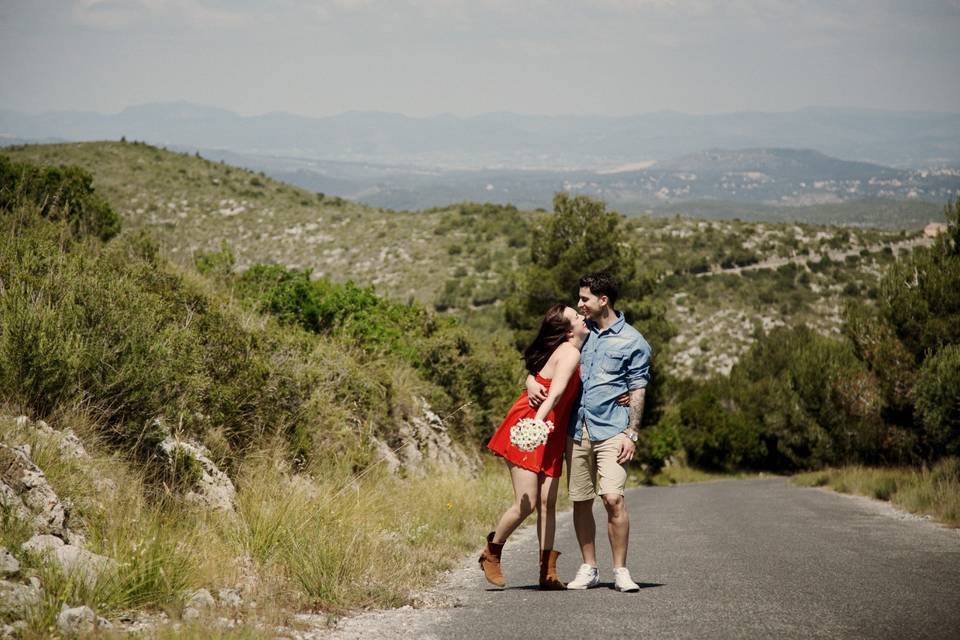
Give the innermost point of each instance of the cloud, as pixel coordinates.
(120, 14)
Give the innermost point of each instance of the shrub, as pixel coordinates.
(714, 435)
(937, 393)
(477, 378)
(64, 193)
(920, 294)
(119, 331)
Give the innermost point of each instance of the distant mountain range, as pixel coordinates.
(720, 182)
(513, 141)
(717, 165)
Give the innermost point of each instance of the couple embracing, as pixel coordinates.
(588, 374)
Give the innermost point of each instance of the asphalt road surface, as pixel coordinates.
(730, 559)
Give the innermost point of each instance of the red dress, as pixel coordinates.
(547, 459)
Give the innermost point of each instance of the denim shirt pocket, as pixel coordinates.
(612, 363)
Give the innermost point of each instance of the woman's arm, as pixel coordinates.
(566, 365)
(535, 391)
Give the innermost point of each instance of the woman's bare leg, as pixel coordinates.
(547, 510)
(525, 489)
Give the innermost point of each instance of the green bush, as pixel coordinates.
(937, 393)
(65, 193)
(116, 330)
(477, 378)
(920, 294)
(715, 436)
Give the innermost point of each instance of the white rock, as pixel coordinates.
(41, 543)
(229, 598)
(190, 613)
(71, 446)
(75, 560)
(76, 620)
(16, 598)
(23, 481)
(201, 599)
(9, 566)
(425, 439)
(214, 489)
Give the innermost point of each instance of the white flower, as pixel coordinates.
(528, 433)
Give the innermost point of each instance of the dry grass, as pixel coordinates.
(297, 543)
(365, 542)
(933, 491)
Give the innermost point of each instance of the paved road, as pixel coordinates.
(731, 559)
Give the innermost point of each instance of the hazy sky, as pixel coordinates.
(422, 57)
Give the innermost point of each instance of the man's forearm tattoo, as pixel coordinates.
(636, 407)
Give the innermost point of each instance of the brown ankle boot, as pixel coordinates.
(549, 580)
(490, 562)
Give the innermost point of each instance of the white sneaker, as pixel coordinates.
(586, 578)
(623, 581)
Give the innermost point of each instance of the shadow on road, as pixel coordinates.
(602, 585)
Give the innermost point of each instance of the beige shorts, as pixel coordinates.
(592, 467)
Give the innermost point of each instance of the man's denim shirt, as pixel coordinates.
(612, 362)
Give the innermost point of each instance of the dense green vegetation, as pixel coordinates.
(885, 392)
(117, 329)
(59, 192)
(493, 267)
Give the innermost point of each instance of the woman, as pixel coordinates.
(553, 358)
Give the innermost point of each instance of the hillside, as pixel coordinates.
(193, 451)
(772, 184)
(464, 259)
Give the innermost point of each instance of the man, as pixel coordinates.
(614, 360)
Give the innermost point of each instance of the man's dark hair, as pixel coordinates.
(602, 283)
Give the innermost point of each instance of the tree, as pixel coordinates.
(581, 237)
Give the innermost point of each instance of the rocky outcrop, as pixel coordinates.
(423, 441)
(68, 443)
(75, 621)
(74, 560)
(16, 597)
(207, 486)
(9, 566)
(26, 494)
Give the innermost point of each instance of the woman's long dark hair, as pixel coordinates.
(553, 333)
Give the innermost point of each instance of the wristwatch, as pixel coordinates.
(633, 435)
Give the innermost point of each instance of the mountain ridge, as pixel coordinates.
(899, 139)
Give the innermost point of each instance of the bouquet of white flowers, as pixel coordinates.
(529, 433)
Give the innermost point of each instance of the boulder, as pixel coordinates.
(12, 631)
(68, 444)
(74, 560)
(210, 487)
(16, 598)
(76, 620)
(25, 492)
(201, 599)
(424, 440)
(230, 598)
(9, 566)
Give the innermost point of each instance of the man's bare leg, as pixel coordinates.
(586, 529)
(618, 527)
